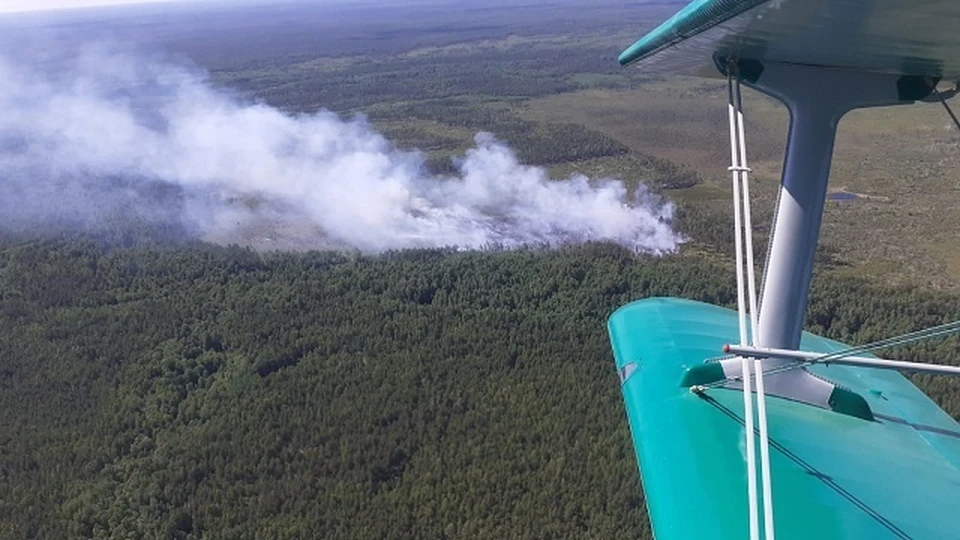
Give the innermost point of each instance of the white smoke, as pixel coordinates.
(107, 134)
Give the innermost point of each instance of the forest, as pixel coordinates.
(200, 391)
(156, 386)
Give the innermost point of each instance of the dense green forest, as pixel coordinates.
(217, 392)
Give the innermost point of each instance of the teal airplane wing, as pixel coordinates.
(834, 475)
(904, 37)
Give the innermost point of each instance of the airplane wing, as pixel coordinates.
(834, 475)
(892, 473)
(904, 37)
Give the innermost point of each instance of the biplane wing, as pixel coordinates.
(905, 37)
(833, 475)
(854, 452)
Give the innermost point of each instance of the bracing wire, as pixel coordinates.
(751, 452)
(765, 477)
(911, 337)
(737, 209)
(747, 220)
(796, 364)
(942, 330)
(741, 221)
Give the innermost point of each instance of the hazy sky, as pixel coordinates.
(9, 6)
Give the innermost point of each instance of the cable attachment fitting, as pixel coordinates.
(941, 90)
(733, 67)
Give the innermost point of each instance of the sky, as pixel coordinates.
(13, 6)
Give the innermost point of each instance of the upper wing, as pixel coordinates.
(904, 37)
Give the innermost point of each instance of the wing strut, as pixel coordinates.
(817, 99)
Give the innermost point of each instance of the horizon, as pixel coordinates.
(30, 6)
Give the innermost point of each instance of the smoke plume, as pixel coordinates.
(104, 137)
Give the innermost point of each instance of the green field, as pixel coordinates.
(900, 159)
